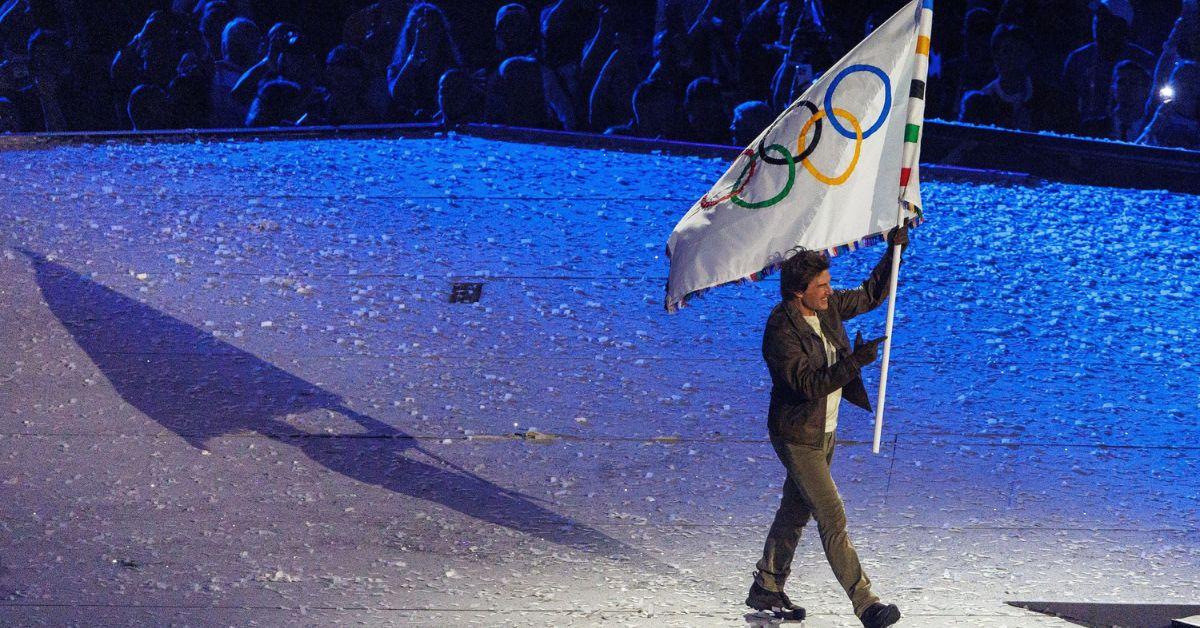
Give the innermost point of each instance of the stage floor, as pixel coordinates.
(233, 389)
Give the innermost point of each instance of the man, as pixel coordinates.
(1126, 116)
(707, 116)
(1088, 70)
(812, 367)
(1176, 123)
(749, 119)
(1015, 99)
(655, 112)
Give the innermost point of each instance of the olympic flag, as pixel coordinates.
(835, 171)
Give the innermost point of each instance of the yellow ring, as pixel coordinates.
(858, 138)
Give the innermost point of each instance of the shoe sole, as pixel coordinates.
(782, 613)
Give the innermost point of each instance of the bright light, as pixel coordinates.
(1167, 93)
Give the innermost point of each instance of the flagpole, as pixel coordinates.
(909, 161)
(887, 343)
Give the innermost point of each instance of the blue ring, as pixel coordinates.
(887, 103)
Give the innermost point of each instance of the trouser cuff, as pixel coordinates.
(862, 606)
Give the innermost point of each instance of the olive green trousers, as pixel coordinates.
(809, 492)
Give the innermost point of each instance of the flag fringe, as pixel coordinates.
(833, 251)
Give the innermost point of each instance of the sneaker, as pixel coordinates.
(778, 603)
(880, 615)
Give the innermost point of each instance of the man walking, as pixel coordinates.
(812, 367)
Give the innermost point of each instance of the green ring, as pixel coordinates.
(791, 164)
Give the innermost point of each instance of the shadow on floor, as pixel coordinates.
(201, 388)
(1096, 615)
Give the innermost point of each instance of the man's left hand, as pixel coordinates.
(898, 236)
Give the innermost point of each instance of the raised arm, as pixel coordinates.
(874, 290)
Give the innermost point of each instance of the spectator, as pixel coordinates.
(655, 112)
(1087, 71)
(1176, 123)
(375, 29)
(1182, 44)
(188, 93)
(969, 71)
(241, 46)
(276, 104)
(153, 54)
(1013, 99)
(708, 118)
(212, 27)
(158, 60)
(56, 88)
(288, 57)
(597, 50)
(520, 96)
(671, 63)
(591, 56)
(515, 38)
(344, 99)
(1127, 114)
(749, 119)
(808, 53)
(757, 54)
(148, 108)
(514, 32)
(566, 27)
(712, 39)
(19, 19)
(611, 100)
(1056, 27)
(458, 99)
(423, 53)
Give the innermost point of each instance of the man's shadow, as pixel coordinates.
(200, 388)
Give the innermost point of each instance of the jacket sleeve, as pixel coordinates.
(870, 294)
(801, 371)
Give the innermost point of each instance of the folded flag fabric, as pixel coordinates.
(826, 175)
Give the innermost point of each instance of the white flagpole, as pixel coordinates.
(887, 343)
(916, 113)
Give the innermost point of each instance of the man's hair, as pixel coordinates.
(798, 270)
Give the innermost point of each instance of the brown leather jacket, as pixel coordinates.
(795, 356)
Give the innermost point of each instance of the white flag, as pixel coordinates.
(826, 175)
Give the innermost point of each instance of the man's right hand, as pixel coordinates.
(865, 352)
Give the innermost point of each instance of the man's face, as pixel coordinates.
(816, 296)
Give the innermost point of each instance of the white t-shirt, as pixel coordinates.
(835, 397)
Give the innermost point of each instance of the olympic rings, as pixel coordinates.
(791, 164)
(814, 122)
(887, 103)
(738, 185)
(762, 144)
(858, 139)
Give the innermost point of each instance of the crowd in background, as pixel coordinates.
(713, 71)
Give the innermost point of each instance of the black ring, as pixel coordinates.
(762, 144)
